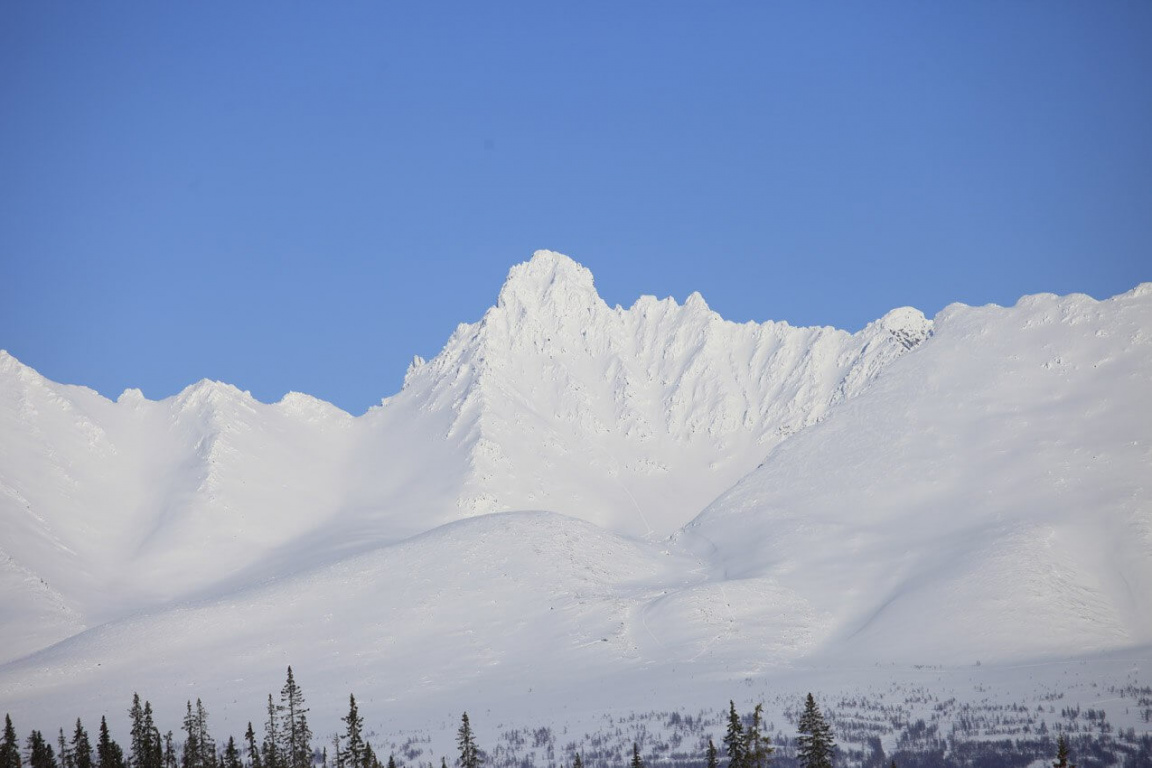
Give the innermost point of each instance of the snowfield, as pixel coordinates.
(576, 509)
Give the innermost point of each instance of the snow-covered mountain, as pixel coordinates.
(686, 499)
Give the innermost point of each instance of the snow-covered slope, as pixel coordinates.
(987, 498)
(973, 488)
(632, 419)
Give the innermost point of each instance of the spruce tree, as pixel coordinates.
(231, 755)
(253, 750)
(272, 738)
(636, 761)
(814, 744)
(169, 759)
(10, 746)
(734, 739)
(108, 752)
(137, 755)
(81, 747)
(297, 745)
(153, 748)
(1062, 753)
(757, 747)
(470, 756)
(199, 749)
(391, 761)
(191, 756)
(578, 762)
(64, 754)
(353, 736)
(40, 754)
(711, 755)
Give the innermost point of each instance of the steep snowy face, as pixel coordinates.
(987, 498)
(631, 418)
(111, 507)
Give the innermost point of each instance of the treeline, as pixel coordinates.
(287, 742)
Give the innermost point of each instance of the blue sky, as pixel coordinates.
(302, 195)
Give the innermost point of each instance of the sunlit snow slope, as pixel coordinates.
(987, 498)
(632, 419)
(973, 488)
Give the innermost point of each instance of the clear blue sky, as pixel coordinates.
(302, 195)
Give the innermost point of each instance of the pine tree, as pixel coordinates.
(108, 752)
(40, 754)
(578, 762)
(136, 753)
(231, 755)
(271, 748)
(253, 750)
(814, 744)
(636, 761)
(353, 736)
(711, 755)
(1062, 753)
(199, 749)
(64, 754)
(10, 746)
(81, 747)
(169, 759)
(757, 747)
(153, 748)
(191, 756)
(734, 739)
(470, 756)
(391, 761)
(297, 747)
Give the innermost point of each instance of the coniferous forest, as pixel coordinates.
(1009, 738)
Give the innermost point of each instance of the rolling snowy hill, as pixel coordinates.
(690, 501)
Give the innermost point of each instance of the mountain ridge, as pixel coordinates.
(914, 491)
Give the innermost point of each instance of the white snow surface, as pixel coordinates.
(571, 493)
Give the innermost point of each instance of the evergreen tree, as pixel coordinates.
(40, 754)
(1062, 754)
(272, 738)
(199, 749)
(711, 755)
(734, 739)
(191, 756)
(814, 744)
(231, 755)
(636, 761)
(470, 756)
(108, 752)
(353, 736)
(253, 750)
(297, 745)
(170, 760)
(391, 761)
(10, 746)
(81, 747)
(757, 747)
(64, 754)
(578, 762)
(153, 748)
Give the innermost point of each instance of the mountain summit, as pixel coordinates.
(584, 492)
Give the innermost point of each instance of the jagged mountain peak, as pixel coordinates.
(550, 282)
